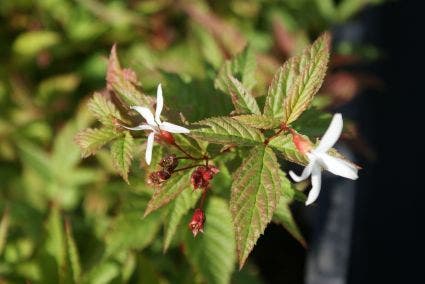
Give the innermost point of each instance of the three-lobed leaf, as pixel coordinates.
(255, 192)
(226, 130)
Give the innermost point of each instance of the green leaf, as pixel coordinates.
(131, 231)
(258, 121)
(31, 43)
(255, 192)
(122, 154)
(225, 130)
(280, 86)
(213, 252)
(73, 257)
(123, 83)
(181, 205)
(313, 122)
(284, 216)
(242, 99)
(168, 191)
(285, 145)
(4, 228)
(242, 67)
(310, 71)
(91, 140)
(103, 109)
(36, 159)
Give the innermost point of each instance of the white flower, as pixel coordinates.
(319, 159)
(155, 124)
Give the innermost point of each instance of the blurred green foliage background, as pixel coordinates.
(67, 220)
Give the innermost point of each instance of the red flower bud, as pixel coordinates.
(196, 225)
(303, 145)
(166, 136)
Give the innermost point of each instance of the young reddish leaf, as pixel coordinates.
(122, 154)
(168, 191)
(256, 190)
(121, 81)
(103, 109)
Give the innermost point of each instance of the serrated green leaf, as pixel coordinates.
(36, 159)
(226, 130)
(123, 85)
(122, 154)
(286, 147)
(242, 67)
(242, 99)
(168, 191)
(213, 252)
(258, 121)
(280, 86)
(72, 253)
(91, 140)
(103, 109)
(181, 205)
(256, 190)
(310, 74)
(284, 216)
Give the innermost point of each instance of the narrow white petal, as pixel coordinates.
(149, 148)
(305, 174)
(316, 184)
(337, 166)
(332, 134)
(146, 113)
(139, 127)
(159, 104)
(173, 128)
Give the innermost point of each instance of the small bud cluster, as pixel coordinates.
(168, 164)
(196, 224)
(202, 176)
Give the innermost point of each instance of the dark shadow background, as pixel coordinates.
(387, 239)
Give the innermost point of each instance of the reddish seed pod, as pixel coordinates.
(163, 175)
(169, 163)
(196, 224)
